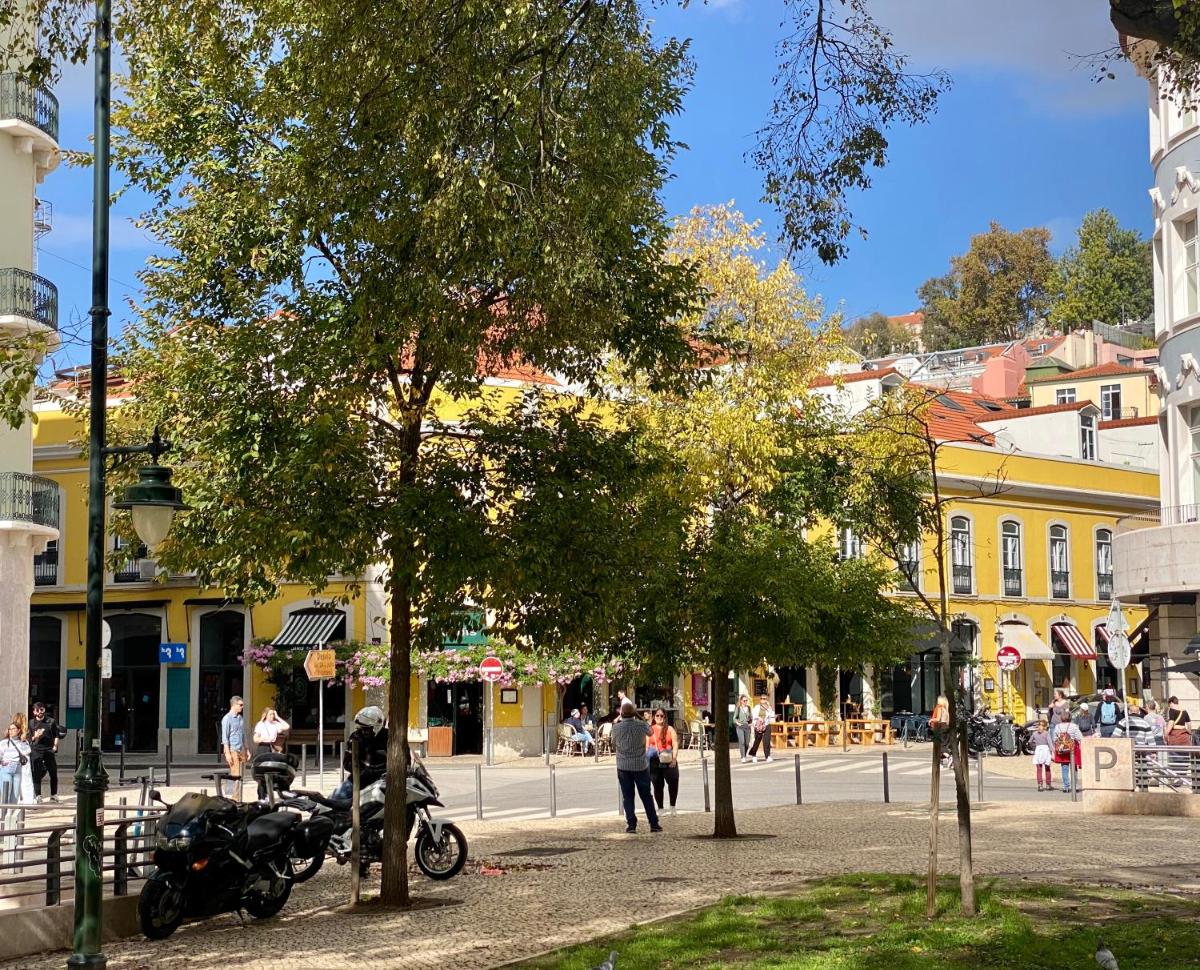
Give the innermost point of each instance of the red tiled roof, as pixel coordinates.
(828, 380)
(1129, 422)
(1047, 409)
(955, 415)
(914, 319)
(1101, 370)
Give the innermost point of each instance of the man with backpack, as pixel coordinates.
(1108, 714)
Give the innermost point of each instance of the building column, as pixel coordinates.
(16, 588)
(812, 688)
(868, 701)
(1174, 627)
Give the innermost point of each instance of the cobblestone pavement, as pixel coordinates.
(592, 881)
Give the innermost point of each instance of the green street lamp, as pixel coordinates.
(153, 502)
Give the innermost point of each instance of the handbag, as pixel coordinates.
(666, 756)
(1177, 734)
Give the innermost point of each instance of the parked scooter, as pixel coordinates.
(214, 855)
(440, 848)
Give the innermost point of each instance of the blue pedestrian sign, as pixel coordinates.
(172, 653)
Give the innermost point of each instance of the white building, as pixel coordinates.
(29, 506)
(1157, 556)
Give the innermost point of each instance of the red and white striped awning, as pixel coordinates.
(1071, 640)
(1102, 633)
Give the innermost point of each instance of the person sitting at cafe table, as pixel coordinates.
(576, 724)
(586, 719)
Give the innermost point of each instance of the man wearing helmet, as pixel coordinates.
(372, 737)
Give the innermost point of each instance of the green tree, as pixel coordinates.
(366, 210)
(875, 335)
(1108, 275)
(999, 289)
(754, 456)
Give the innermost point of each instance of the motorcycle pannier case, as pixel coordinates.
(313, 835)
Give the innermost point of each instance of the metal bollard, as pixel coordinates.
(1074, 780)
(887, 791)
(799, 794)
(907, 722)
(704, 774)
(304, 765)
(553, 794)
(479, 791)
(979, 780)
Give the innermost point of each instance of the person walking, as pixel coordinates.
(939, 729)
(762, 716)
(664, 769)
(44, 735)
(741, 724)
(233, 744)
(1156, 722)
(1178, 732)
(1109, 713)
(14, 757)
(1042, 755)
(631, 741)
(1066, 740)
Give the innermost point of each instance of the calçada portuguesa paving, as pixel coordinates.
(598, 881)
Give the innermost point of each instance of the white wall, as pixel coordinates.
(1136, 445)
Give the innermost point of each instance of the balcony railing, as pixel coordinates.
(45, 567)
(29, 103)
(28, 498)
(1012, 582)
(1168, 515)
(1060, 585)
(1104, 584)
(25, 294)
(962, 579)
(131, 570)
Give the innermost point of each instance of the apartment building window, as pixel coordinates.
(1110, 402)
(1104, 564)
(961, 558)
(1190, 247)
(1087, 437)
(849, 545)
(1064, 395)
(130, 570)
(1060, 563)
(909, 562)
(1010, 549)
(45, 565)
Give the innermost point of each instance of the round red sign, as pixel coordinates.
(1008, 657)
(491, 669)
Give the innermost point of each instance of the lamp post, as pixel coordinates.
(999, 637)
(152, 501)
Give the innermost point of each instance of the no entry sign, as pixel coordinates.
(491, 669)
(1008, 657)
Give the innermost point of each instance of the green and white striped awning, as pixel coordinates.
(309, 628)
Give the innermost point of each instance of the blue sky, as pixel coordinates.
(1025, 137)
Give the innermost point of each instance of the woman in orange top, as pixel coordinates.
(664, 766)
(939, 724)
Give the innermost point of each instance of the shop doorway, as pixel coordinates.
(791, 693)
(222, 637)
(580, 691)
(45, 661)
(129, 712)
(298, 699)
(458, 706)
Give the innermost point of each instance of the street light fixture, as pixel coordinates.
(153, 500)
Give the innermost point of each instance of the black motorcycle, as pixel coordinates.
(440, 849)
(985, 731)
(214, 855)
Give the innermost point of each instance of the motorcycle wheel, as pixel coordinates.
(262, 905)
(444, 859)
(160, 908)
(304, 869)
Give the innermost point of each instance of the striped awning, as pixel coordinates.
(1024, 639)
(1071, 640)
(309, 628)
(1102, 633)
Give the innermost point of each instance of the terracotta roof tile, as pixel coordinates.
(1101, 370)
(1129, 422)
(829, 380)
(1047, 409)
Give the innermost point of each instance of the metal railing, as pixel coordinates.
(1060, 585)
(1168, 515)
(133, 569)
(38, 859)
(1012, 582)
(25, 294)
(28, 498)
(963, 580)
(28, 102)
(1173, 769)
(1104, 586)
(45, 567)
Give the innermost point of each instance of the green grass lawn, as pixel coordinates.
(875, 922)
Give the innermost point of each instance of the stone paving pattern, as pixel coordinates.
(604, 886)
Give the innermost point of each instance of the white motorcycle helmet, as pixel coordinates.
(371, 718)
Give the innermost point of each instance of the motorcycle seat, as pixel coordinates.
(266, 830)
(337, 804)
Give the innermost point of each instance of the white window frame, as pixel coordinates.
(1017, 559)
(913, 549)
(1103, 541)
(1110, 393)
(1189, 265)
(1087, 437)
(1059, 555)
(849, 544)
(962, 553)
(1064, 395)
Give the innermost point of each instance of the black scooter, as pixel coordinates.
(214, 855)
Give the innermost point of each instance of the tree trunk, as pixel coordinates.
(394, 890)
(935, 798)
(724, 826)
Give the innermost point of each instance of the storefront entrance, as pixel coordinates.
(791, 693)
(129, 710)
(222, 637)
(459, 707)
(45, 661)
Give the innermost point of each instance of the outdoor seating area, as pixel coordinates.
(821, 734)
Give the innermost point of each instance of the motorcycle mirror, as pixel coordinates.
(156, 796)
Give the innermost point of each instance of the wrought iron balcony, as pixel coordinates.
(1060, 585)
(29, 103)
(45, 566)
(963, 580)
(25, 294)
(1104, 586)
(132, 569)
(1012, 582)
(28, 498)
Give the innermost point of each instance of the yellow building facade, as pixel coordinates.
(1120, 391)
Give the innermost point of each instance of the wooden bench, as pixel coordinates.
(863, 730)
(800, 734)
